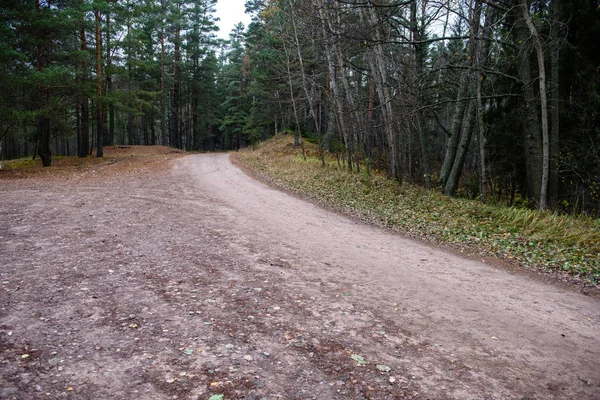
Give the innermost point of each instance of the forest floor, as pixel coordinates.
(149, 275)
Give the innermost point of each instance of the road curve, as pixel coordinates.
(517, 336)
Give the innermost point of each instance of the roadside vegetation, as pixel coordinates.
(539, 240)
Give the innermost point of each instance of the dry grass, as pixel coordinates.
(117, 160)
(537, 240)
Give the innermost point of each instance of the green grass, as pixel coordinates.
(21, 163)
(537, 240)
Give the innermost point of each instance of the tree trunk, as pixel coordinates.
(481, 130)
(297, 135)
(461, 152)
(196, 142)
(99, 111)
(455, 129)
(152, 128)
(531, 120)
(465, 89)
(339, 105)
(313, 112)
(358, 127)
(110, 133)
(44, 149)
(555, 39)
(174, 132)
(480, 61)
(351, 103)
(377, 68)
(130, 134)
(543, 201)
(163, 89)
(418, 61)
(330, 49)
(43, 129)
(370, 119)
(477, 58)
(83, 141)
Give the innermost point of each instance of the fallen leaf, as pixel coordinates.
(384, 368)
(213, 384)
(359, 359)
(25, 356)
(216, 397)
(69, 389)
(189, 352)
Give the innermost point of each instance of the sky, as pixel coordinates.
(230, 12)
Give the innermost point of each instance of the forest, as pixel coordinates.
(497, 100)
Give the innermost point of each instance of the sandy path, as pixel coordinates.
(519, 331)
(201, 280)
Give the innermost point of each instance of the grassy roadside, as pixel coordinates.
(537, 240)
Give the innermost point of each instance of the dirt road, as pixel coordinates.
(199, 281)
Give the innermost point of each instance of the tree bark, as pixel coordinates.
(43, 128)
(163, 89)
(480, 61)
(543, 201)
(330, 51)
(455, 129)
(461, 153)
(377, 68)
(465, 88)
(99, 107)
(371, 124)
(481, 130)
(174, 132)
(297, 133)
(473, 76)
(312, 109)
(83, 141)
(531, 121)
(555, 40)
(417, 69)
(110, 133)
(359, 124)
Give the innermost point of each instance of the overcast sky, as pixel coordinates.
(230, 12)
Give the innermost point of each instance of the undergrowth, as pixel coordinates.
(538, 240)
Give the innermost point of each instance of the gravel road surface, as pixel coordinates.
(198, 280)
